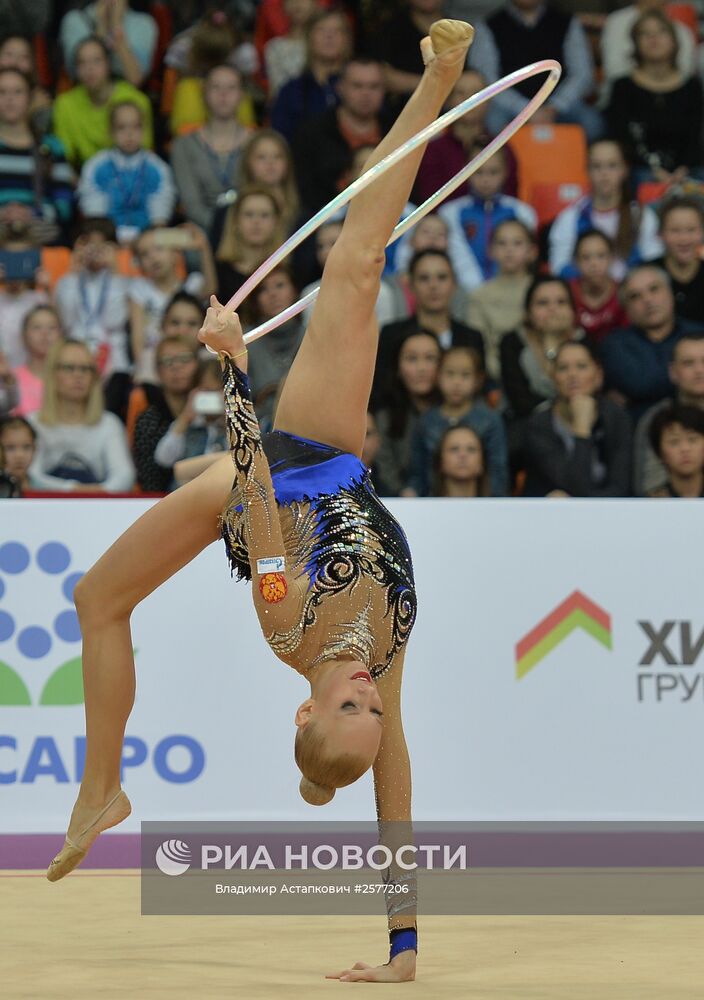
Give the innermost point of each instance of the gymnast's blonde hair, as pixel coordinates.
(322, 773)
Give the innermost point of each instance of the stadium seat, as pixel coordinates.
(651, 191)
(549, 199)
(686, 14)
(56, 261)
(549, 154)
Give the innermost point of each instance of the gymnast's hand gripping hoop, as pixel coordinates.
(549, 66)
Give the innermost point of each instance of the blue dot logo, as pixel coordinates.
(33, 639)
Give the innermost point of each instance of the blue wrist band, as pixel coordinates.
(405, 939)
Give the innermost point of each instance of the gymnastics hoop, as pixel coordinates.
(550, 66)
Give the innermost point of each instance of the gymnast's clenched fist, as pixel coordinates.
(222, 331)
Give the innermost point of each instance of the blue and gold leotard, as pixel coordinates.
(348, 578)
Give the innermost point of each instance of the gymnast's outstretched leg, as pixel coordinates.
(168, 536)
(327, 390)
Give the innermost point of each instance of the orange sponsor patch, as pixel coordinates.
(273, 587)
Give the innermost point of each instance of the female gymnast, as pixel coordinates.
(331, 570)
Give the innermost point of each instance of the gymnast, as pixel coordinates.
(331, 572)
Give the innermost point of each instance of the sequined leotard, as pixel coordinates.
(347, 585)
(348, 577)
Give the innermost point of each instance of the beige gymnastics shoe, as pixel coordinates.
(449, 40)
(74, 851)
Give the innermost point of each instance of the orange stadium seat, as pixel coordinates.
(650, 191)
(686, 14)
(549, 154)
(56, 261)
(549, 199)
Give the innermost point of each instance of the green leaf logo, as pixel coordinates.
(65, 686)
(13, 690)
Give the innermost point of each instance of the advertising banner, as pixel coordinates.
(554, 673)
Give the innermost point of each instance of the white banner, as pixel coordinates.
(554, 672)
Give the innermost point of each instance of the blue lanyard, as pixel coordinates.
(94, 315)
(224, 176)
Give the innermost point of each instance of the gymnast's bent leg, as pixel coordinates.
(167, 537)
(326, 392)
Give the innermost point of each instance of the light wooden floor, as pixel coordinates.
(84, 937)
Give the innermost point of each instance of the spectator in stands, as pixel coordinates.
(128, 183)
(431, 233)
(618, 50)
(399, 46)
(460, 381)
(527, 355)
(130, 37)
(18, 442)
(580, 446)
(637, 359)
(183, 317)
(17, 298)
(206, 162)
(432, 280)
(9, 394)
(449, 152)
(595, 293)
(609, 208)
(410, 390)
(41, 329)
(212, 41)
(525, 31)
(92, 302)
(36, 182)
(328, 47)
(497, 305)
(338, 132)
(677, 437)
(370, 454)
(158, 252)
(645, 109)
(252, 231)
(16, 52)
(687, 376)
(80, 447)
(199, 429)
(267, 161)
(270, 357)
(459, 465)
(177, 365)
(682, 234)
(285, 55)
(82, 114)
(471, 220)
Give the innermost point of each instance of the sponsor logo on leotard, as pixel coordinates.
(275, 564)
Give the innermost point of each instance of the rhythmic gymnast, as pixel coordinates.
(331, 570)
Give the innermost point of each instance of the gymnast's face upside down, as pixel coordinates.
(339, 727)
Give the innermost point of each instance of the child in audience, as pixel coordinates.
(267, 162)
(472, 219)
(460, 380)
(92, 302)
(497, 306)
(253, 230)
(40, 331)
(595, 293)
(285, 55)
(609, 208)
(18, 441)
(682, 234)
(677, 437)
(128, 183)
(158, 252)
(459, 465)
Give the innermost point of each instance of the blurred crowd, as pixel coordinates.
(155, 153)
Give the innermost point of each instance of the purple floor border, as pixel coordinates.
(500, 849)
